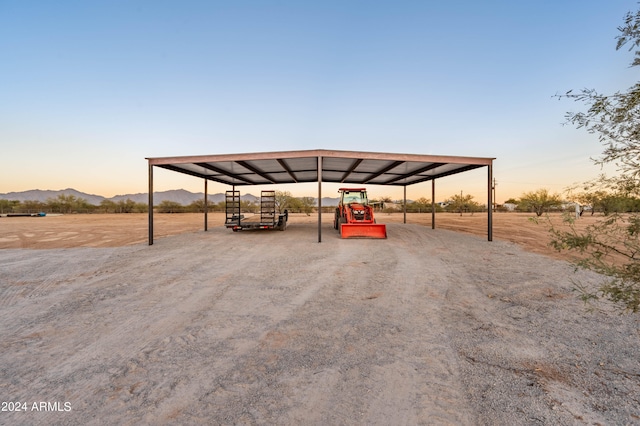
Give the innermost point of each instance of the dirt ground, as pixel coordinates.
(114, 230)
(425, 327)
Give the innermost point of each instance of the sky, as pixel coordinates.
(89, 89)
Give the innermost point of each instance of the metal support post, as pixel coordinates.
(405, 204)
(150, 207)
(433, 204)
(489, 203)
(319, 199)
(206, 206)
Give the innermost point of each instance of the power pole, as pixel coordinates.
(493, 188)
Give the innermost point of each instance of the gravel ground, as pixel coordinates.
(426, 327)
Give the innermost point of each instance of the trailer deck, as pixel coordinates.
(266, 219)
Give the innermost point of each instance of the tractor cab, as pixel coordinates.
(351, 196)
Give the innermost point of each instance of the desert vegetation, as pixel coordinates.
(615, 119)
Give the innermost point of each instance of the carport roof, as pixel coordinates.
(351, 167)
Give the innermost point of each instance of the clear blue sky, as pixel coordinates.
(88, 89)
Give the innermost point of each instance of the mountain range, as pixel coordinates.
(180, 196)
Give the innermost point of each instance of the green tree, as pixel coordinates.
(32, 206)
(614, 117)
(607, 195)
(421, 205)
(283, 201)
(125, 206)
(611, 246)
(54, 205)
(307, 204)
(141, 208)
(462, 203)
(108, 206)
(249, 206)
(455, 204)
(539, 201)
(83, 206)
(294, 205)
(196, 206)
(167, 206)
(8, 206)
(68, 204)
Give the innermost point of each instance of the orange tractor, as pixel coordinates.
(354, 216)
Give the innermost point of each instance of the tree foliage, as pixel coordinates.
(462, 203)
(283, 201)
(8, 206)
(539, 202)
(167, 206)
(286, 201)
(421, 205)
(608, 195)
(69, 204)
(307, 204)
(614, 117)
(611, 245)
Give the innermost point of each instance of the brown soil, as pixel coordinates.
(268, 327)
(114, 230)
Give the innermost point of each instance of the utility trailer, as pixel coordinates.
(267, 219)
(40, 214)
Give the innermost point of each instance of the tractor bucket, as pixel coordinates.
(363, 230)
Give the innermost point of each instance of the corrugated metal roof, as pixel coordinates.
(352, 167)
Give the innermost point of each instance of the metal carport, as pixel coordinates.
(319, 165)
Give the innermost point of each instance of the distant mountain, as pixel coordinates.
(180, 196)
(328, 201)
(44, 195)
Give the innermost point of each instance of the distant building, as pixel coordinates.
(391, 206)
(377, 205)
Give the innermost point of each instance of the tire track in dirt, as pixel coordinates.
(374, 354)
(165, 326)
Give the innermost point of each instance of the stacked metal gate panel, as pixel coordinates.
(232, 200)
(268, 208)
